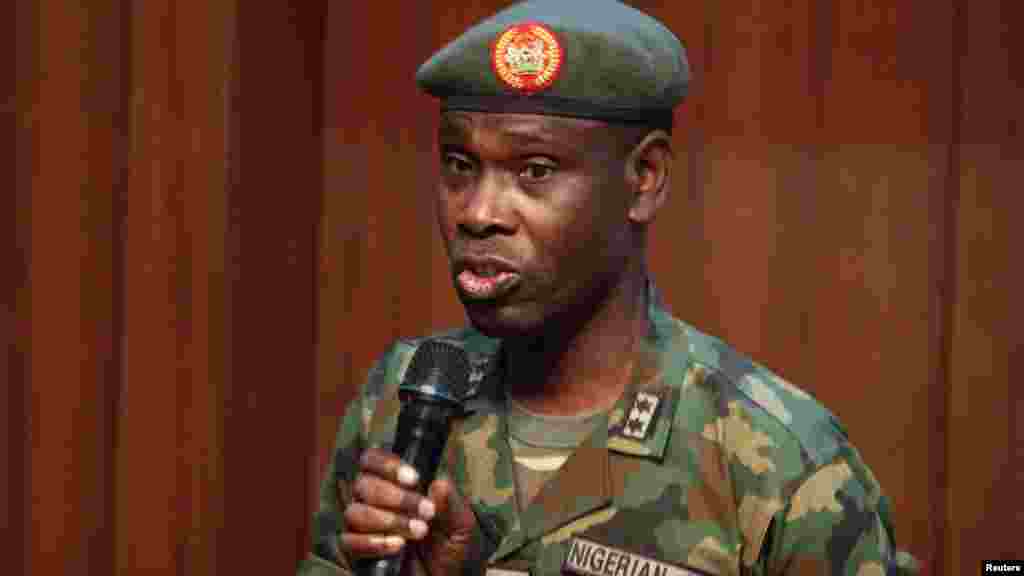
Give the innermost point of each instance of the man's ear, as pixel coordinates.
(647, 173)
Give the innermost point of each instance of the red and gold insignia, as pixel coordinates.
(527, 57)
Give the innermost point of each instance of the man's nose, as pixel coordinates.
(487, 210)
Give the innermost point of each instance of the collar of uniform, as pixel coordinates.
(585, 484)
(640, 423)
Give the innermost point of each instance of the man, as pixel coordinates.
(602, 436)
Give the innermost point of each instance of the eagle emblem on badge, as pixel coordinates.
(527, 57)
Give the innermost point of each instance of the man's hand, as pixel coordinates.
(386, 512)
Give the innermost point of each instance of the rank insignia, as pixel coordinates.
(641, 416)
(527, 57)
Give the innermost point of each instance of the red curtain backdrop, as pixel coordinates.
(220, 214)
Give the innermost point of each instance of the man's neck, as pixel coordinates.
(586, 368)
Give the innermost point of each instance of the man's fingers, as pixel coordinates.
(384, 511)
(370, 545)
(380, 493)
(366, 519)
(388, 466)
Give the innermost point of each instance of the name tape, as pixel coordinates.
(589, 558)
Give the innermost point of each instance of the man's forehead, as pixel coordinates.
(528, 126)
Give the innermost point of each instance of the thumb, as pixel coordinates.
(454, 516)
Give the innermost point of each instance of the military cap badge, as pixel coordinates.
(527, 57)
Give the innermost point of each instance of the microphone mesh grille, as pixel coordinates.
(438, 358)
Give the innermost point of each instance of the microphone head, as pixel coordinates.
(438, 370)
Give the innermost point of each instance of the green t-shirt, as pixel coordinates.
(541, 444)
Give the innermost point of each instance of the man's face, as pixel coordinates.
(533, 211)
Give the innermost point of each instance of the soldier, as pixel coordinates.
(601, 435)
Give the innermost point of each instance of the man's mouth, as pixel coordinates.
(485, 280)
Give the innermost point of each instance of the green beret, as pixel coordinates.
(594, 59)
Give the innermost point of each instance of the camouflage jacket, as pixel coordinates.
(709, 464)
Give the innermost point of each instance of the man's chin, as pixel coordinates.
(501, 323)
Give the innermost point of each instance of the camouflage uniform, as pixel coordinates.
(708, 464)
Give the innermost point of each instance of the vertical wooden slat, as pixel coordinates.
(16, 77)
(77, 139)
(171, 485)
(165, 384)
(276, 187)
(148, 463)
(346, 189)
(942, 317)
(332, 356)
(986, 467)
(886, 128)
(207, 49)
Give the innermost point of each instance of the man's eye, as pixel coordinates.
(457, 164)
(534, 171)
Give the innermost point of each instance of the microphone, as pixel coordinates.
(434, 384)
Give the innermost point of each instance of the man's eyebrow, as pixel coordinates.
(451, 128)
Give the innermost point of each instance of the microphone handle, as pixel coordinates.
(424, 424)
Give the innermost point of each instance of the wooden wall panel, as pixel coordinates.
(222, 213)
(156, 323)
(271, 258)
(985, 461)
(176, 305)
(76, 119)
(165, 217)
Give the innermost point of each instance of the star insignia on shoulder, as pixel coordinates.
(634, 425)
(641, 416)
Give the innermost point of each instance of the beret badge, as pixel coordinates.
(527, 57)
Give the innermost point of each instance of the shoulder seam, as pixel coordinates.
(791, 436)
